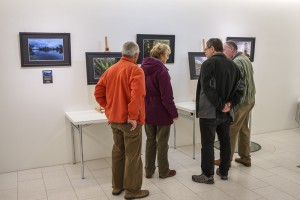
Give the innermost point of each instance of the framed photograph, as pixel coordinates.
(146, 43)
(245, 45)
(45, 49)
(195, 62)
(97, 63)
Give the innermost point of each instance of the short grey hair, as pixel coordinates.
(129, 49)
(232, 44)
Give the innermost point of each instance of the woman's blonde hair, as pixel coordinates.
(159, 50)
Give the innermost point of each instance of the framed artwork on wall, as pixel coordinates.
(147, 41)
(45, 49)
(196, 60)
(98, 62)
(245, 45)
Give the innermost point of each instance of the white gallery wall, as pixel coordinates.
(33, 129)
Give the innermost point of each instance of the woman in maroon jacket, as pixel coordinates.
(160, 110)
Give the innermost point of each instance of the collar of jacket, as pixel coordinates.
(219, 54)
(127, 59)
(236, 55)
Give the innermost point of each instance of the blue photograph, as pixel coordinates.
(46, 49)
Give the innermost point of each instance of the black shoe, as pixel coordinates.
(222, 177)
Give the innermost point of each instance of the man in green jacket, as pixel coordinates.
(239, 127)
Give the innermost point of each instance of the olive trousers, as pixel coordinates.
(127, 166)
(239, 130)
(157, 142)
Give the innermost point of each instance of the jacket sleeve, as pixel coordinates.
(100, 91)
(137, 93)
(166, 92)
(198, 96)
(208, 83)
(238, 90)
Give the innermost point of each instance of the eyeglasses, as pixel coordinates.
(207, 48)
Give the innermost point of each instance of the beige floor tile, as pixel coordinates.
(11, 194)
(88, 188)
(56, 179)
(8, 181)
(62, 194)
(284, 185)
(273, 193)
(178, 191)
(236, 190)
(74, 171)
(272, 176)
(286, 173)
(215, 194)
(29, 174)
(97, 164)
(245, 180)
(31, 189)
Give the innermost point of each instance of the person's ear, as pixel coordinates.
(213, 49)
(136, 56)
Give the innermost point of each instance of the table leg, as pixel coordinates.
(73, 141)
(81, 151)
(174, 136)
(193, 135)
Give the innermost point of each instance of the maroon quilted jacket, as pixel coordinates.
(159, 100)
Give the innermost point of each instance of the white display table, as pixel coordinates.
(190, 108)
(78, 119)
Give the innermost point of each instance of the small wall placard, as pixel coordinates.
(47, 76)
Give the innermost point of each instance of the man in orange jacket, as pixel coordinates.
(121, 91)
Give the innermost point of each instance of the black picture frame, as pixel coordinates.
(45, 49)
(97, 63)
(196, 60)
(245, 45)
(147, 41)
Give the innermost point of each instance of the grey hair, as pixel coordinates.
(129, 49)
(232, 44)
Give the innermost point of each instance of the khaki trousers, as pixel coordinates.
(127, 166)
(157, 141)
(239, 130)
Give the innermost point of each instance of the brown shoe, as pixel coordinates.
(217, 162)
(117, 191)
(170, 174)
(241, 161)
(149, 175)
(137, 195)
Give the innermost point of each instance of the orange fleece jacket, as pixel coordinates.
(121, 92)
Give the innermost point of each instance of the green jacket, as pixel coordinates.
(246, 69)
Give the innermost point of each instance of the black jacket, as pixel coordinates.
(219, 82)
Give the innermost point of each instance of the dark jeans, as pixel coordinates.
(208, 128)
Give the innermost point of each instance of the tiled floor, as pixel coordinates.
(274, 175)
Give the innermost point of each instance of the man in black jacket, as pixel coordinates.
(219, 89)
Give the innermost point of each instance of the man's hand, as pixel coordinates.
(227, 107)
(133, 123)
